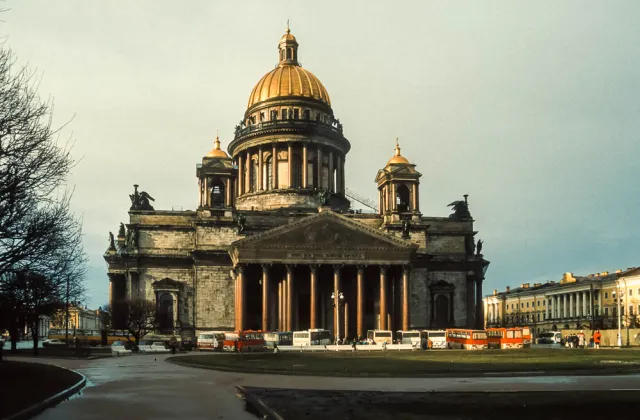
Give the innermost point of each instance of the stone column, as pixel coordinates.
(227, 187)
(585, 298)
(274, 166)
(205, 193)
(565, 313)
(247, 187)
(360, 302)
(240, 307)
(265, 297)
(305, 166)
(260, 176)
(280, 306)
(479, 307)
(405, 297)
(383, 297)
(290, 160)
(336, 301)
(346, 318)
(289, 294)
(340, 181)
(342, 176)
(110, 290)
(414, 197)
(572, 312)
(547, 307)
(199, 192)
(331, 177)
(313, 295)
(394, 201)
(600, 310)
(319, 167)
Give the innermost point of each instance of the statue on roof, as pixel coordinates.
(479, 248)
(323, 197)
(140, 200)
(460, 209)
(406, 227)
(241, 221)
(112, 245)
(121, 231)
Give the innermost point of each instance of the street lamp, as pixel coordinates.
(618, 299)
(338, 301)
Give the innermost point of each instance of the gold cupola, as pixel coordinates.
(216, 152)
(288, 79)
(397, 158)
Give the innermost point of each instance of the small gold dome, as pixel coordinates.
(216, 152)
(289, 78)
(397, 157)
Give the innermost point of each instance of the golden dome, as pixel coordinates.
(289, 78)
(397, 157)
(216, 152)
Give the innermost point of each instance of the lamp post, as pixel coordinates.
(619, 293)
(338, 301)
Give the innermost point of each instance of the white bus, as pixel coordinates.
(409, 337)
(315, 337)
(210, 340)
(279, 338)
(379, 336)
(438, 339)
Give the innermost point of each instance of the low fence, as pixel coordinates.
(348, 347)
(610, 337)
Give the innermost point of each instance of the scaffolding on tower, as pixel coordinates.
(361, 199)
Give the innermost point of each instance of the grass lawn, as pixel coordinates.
(421, 363)
(25, 384)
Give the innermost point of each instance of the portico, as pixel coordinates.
(295, 269)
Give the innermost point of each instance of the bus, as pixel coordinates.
(526, 337)
(279, 338)
(243, 341)
(210, 340)
(504, 338)
(379, 336)
(434, 339)
(466, 339)
(409, 337)
(312, 337)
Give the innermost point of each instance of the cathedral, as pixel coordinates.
(275, 245)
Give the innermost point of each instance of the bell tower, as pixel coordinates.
(216, 179)
(398, 184)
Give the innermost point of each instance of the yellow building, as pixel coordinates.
(590, 301)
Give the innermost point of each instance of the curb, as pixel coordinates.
(61, 396)
(265, 411)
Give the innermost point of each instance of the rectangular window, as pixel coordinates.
(630, 292)
(630, 309)
(521, 305)
(606, 295)
(538, 317)
(284, 114)
(527, 304)
(296, 113)
(606, 311)
(544, 303)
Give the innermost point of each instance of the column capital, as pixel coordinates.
(265, 268)
(289, 268)
(239, 268)
(361, 268)
(383, 269)
(313, 268)
(406, 269)
(337, 268)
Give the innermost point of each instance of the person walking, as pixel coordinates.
(596, 339)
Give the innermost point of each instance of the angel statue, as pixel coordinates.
(479, 248)
(241, 222)
(323, 197)
(406, 227)
(121, 231)
(460, 209)
(140, 200)
(112, 245)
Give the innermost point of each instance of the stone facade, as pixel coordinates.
(272, 237)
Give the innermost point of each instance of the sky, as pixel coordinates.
(531, 108)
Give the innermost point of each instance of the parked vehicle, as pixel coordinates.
(280, 338)
(505, 338)
(379, 336)
(409, 337)
(550, 337)
(243, 341)
(312, 337)
(121, 348)
(53, 343)
(210, 341)
(436, 339)
(526, 337)
(467, 339)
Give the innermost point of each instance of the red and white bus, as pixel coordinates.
(466, 339)
(526, 337)
(505, 338)
(243, 341)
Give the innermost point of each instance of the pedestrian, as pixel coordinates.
(581, 339)
(596, 339)
(353, 345)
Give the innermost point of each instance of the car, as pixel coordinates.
(54, 342)
(159, 347)
(120, 348)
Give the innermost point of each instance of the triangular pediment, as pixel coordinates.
(327, 230)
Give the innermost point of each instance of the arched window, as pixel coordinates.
(254, 175)
(217, 193)
(268, 176)
(402, 199)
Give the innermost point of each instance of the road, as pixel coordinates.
(145, 386)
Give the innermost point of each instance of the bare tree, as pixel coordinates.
(140, 316)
